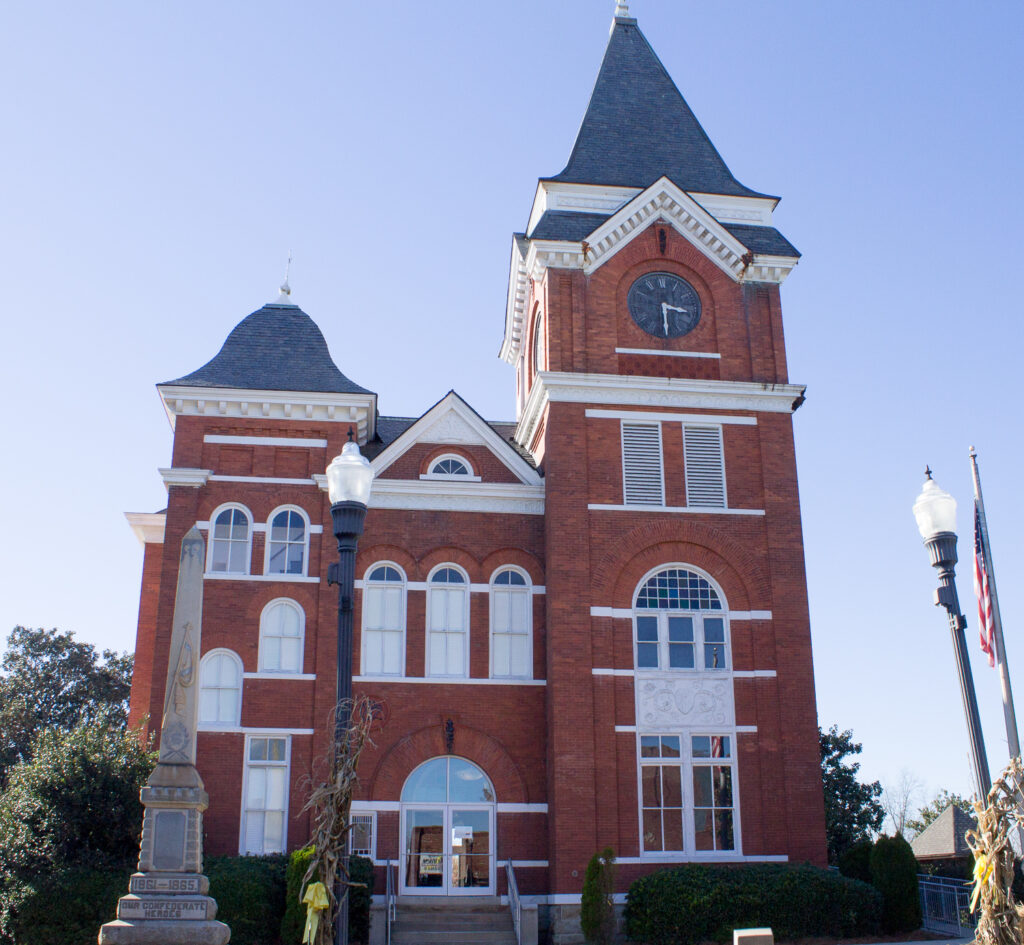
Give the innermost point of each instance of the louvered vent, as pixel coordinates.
(642, 479)
(705, 466)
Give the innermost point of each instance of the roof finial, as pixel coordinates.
(928, 472)
(621, 8)
(285, 298)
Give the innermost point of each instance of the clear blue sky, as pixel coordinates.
(160, 160)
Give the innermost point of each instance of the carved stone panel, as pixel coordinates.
(684, 701)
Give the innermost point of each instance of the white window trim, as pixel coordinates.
(362, 586)
(209, 544)
(465, 606)
(269, 733)
(218, 726)
(527, 592)
(447, 477)
(305, 546)
(372, 814)
(283, 673)
(686, 762)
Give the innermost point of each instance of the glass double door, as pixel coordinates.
(447, 849)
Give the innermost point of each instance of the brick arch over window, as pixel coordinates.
(428, 742)
(644, 548)
(514, 557)
(372, 553)
(452, 554)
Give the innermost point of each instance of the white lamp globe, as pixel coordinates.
(935, 510)
(349, 476)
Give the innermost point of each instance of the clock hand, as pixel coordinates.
(664, 314)
(665, 307)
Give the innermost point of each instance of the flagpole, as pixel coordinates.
(997, 620)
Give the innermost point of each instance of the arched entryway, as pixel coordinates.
(447, 830)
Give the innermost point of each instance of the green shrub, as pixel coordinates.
(856, 861)
(695, 903)
(294, 922)
(894, 875)
(250, 893)
(597, 914)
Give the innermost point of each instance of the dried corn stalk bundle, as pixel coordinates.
(331, 803)
(1002, 918)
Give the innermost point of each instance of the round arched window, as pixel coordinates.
(448, 780)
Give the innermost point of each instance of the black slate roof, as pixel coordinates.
(638, 127)
(277, 347)
(566, 225)
(945, 836)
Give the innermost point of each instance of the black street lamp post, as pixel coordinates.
(935, 511)
(349, 478)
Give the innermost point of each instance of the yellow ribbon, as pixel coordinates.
(316, 902)
(983, 870)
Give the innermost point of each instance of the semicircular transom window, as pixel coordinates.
(450, 466)
(678, 589)
(448, 780)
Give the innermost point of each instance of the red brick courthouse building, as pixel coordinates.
(589, 627)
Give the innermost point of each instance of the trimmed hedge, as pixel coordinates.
(856, 861)
(250, 896)
(695, 903)
(293, 923)
(894, 875)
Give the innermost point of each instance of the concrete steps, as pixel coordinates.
(452, 922)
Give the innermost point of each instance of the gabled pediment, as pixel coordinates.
(452, 421)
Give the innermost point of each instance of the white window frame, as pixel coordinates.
(284, 575)
(403, 617)
(294, 605)
(527, 592)
(626, 500)
(212, 531)
(690, 474)
(465, 618)
(470, 476)
(538, 351)
(371, 816)
(220, 725)
(687, 763)
(698, 616)
(246, 765)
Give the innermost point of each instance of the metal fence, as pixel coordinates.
(946, 905)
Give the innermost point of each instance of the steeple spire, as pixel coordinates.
(621, 8)
(285, 295)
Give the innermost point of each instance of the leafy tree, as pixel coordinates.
(50, 680)
(852, 810)
(930, 812)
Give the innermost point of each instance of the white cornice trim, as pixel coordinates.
(515, 306)
(266, 440)
(685, 509)
(251, 729)
(578, 198)
(449, 681)
(625, 613)
(672, 392)
(669, 354)
(753, 211)
(502, 497)
(302, 677)
(147, 526)
(709, 418)
(282, 578)
(265, 480)
(181, 476)
(357, 409)
(453, 403)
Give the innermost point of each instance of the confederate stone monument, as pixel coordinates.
(167, 902)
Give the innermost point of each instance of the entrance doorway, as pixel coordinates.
(448, 830)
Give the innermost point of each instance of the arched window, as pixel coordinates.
(680, 622)
(451, 466)
(538, 345)
(230, 537)
(448, 780)
(220, 689)
(282, 629)
(447, 623)
(383, 649)
(287, 542)
(511, 623)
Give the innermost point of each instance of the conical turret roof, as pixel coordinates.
(638, 127)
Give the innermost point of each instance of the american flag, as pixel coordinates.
(986, 626)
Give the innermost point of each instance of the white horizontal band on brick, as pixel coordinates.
(450, 680)
(264, 480)
(522, 808)
(264, 440)
(289, 676)
(597, 507)
(750, 615)
(722, 857)
(261, 527)
(755, 674)
(669, 417)
(474, 588)
(358, 806)
(746, 729)
(252, 729)
(624, 613)
(667, 354)
(626, 728)
(610, 612)
(445, 477)
(453, 496)
(282, 578)
(613, 672)
(529, 864)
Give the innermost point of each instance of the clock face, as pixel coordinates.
(664, 305)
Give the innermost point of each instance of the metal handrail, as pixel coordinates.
(391, 909)
(945, 905)
(513, 901)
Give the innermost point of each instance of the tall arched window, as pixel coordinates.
(230, 537)
(538, 344)
(679, 622)
(282, 629)
(448, 623)
(511, 624)
(287, 542)
(383, 648)
(220, 689)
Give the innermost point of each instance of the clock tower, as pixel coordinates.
(645, 324)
